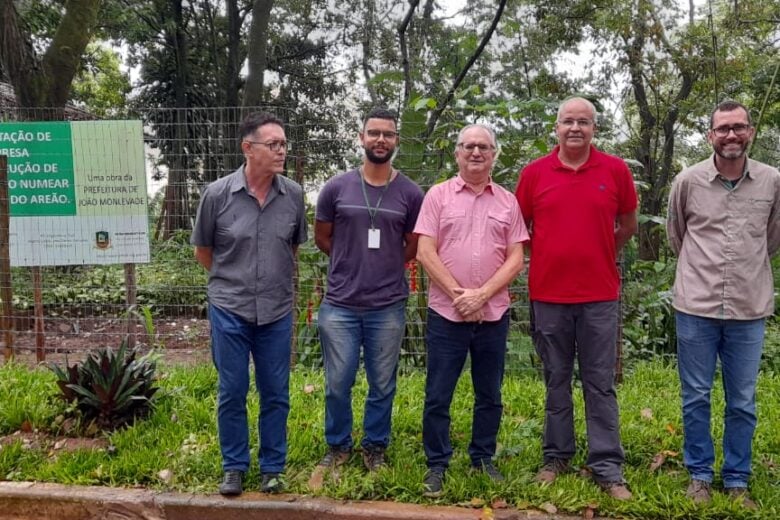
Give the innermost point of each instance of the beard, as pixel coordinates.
(731, 153)
(377, 159)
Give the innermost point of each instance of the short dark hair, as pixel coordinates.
(381, 113)
(727, 106)
(254, 121)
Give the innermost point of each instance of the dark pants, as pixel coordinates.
(448, 343)
(589, 331)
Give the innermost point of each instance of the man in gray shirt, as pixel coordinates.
(723, 224)
(247, 232)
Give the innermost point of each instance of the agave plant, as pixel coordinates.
(109, 388)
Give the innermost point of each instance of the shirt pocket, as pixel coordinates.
(757, 216)
(452, 225)
(498, 223)
(285, 227)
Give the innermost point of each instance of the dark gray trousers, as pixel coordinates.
(588, 331)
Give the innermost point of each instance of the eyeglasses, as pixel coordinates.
(274, 146)
(469, 147)
(569, 123)
(723, 131)
(388, 134)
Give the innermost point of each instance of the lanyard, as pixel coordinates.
(373, 211)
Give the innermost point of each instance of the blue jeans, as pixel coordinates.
(738, 343)
(342, 332)
(448, 343)
(232, 341)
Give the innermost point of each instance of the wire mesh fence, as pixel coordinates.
(159, 300)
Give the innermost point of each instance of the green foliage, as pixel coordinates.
(109, 388)
(101, 86)
(648, 316)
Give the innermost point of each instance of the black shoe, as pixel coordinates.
(374, 458)
(489, 469)
(433, 483)
(232, 483)
(272, 483)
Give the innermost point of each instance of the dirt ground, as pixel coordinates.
(179, 340)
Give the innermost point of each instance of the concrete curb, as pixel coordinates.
(29, 500)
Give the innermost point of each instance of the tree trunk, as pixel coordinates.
(46, 81)
(176, 195)
(257, 55)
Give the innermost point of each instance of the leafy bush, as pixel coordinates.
(648, 319)
(110, 389)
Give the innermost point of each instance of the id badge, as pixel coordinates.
(373, 239)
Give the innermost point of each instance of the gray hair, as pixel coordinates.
(578, 98)
(477, 125)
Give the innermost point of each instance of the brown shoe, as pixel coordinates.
(616, 490)
(374, 458)
(699, 491)
(742, 496)
(330, 464)
(551, 470)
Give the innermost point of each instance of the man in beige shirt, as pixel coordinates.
(723, 224)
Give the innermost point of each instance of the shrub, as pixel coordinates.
(110, 389)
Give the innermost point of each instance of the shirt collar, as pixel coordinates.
(713, 173)
(594, 159)
(460, 183)
(238, 182)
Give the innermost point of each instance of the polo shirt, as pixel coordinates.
(472, 233)
(571, 214)
(252, 246)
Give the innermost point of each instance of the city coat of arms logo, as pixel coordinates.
(102, 240)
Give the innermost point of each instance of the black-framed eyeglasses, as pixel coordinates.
(723, 131)
(274, 146)
(388, 134)
(470, 147)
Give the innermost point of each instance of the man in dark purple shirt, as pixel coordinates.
(364, 223)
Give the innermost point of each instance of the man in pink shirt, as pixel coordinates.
(470, 243)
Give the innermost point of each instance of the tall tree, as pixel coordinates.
(45, 81)
(258, 48)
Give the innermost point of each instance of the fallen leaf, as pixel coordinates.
(487, 514)
(476, 502)
(548, 508)
(671, 429)
(499, 503)
(174, 418)
(589, 512)
(308, 389)
(165, 475)
(646, 414)
(670, 453)
(60, 444)
(317, 478)
(658, 461)
(26, 427)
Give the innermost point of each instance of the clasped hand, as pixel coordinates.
(469, 303)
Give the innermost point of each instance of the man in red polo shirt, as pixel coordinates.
(580, 208)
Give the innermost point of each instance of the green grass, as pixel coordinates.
(181, 436)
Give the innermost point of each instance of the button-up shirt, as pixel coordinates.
(724, 237)
(252, 246)
(472, 233)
